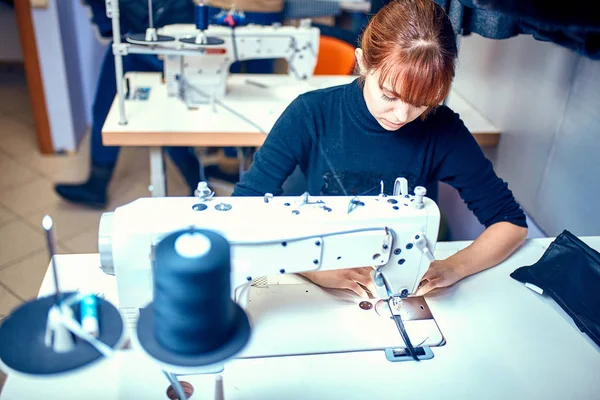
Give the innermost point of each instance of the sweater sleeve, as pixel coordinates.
(460, 162)
(286, 146)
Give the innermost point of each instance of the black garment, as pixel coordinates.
(569, 271)
(493, 19)
(585, 42)
(575, 13)
(466, 18)
(341, 148)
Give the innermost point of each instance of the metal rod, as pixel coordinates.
(47, 224)
(116, 26)
(150, 15)
(176, 385)
(219, 388)
(220, 103)
(155, 50)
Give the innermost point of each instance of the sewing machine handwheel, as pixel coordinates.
(210, 41)
(140, 38)
(22, 346)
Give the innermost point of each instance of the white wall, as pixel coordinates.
(70, 58)
(545, 100)
(54, 76)
(10, 46)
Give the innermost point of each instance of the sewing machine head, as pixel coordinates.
(278, 235)
(197, 72)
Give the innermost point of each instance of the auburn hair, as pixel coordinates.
(412, 45)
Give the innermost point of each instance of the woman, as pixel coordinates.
(388, 124)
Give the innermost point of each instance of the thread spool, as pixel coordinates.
(192, 320)
(201, 16)
(22, 345)
(193, 311)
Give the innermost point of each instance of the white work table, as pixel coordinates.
(166, 121)
(504, 341)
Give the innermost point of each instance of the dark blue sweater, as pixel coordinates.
(335, 140)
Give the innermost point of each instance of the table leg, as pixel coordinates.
(158, 183)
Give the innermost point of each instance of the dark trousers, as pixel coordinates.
(106, 156)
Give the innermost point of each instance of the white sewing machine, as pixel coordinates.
(271, 239)
(197, 77)
(196, 62)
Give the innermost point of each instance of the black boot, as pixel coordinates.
(91, 193)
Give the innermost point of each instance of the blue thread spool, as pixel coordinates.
(201, 15)
(192, 321)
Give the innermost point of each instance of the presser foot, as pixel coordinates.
(408, 309)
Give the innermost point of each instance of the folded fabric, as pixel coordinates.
(569, 272)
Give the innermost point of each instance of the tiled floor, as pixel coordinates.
(26, 195)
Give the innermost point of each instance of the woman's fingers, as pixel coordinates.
(356, 288)
(427, 287)
(363, 277)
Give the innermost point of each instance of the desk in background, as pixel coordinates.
(163, 121)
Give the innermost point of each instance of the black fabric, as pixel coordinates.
(575, 28)
(569, 271)
(582, 41)
(580, 13)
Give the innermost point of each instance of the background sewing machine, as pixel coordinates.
(197, 78)
(197, 58)
(271, 239)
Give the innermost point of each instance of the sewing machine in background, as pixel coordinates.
(272, 239)
(197, 57)
(197, 78)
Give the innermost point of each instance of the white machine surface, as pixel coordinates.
(503, 341)
(277, 236)
(291, 317)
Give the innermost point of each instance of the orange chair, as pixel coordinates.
(336, 57)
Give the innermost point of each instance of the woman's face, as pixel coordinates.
(391, 113)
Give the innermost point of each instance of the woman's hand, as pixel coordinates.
(441, 273)
(492, 247)
(351, 279)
